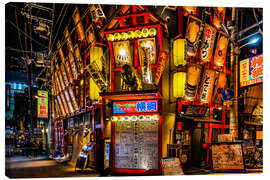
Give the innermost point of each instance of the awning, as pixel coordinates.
(202, 119)
(131, 95)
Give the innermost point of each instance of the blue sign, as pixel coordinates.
(228, 94)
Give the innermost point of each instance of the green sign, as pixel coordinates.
(42, 104)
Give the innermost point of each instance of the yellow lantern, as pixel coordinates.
(145, 32)
(117, 36)
(110, 37)
(179, 52)
(179, 82)
(131, 34)
(124, 36)
(152, 31)
(138, 34)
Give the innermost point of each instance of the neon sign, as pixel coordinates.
(125, 107)
(251, 71)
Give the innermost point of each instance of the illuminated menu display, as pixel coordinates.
(136, 142)
(127, 107)
(251, 71)
(42, 104)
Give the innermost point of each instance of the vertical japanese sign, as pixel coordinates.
(251, 71)
(42, 104)
(207, 86)
(162, 60)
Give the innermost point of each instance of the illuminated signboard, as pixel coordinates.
(125, 107)
(42, 104)
(251, 71)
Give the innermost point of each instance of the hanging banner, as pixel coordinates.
(60, 51)
(61, 80)
(189, 10)
(78, 24)
(192, 35)
(57, 109)
(78, 59)
(71, 109)
(73, 65)
(69, 74)
(221, 49)
(96, 12)
(64, 74)
(96, 76)
(207, 85)
(207, 44)
(57, 83)
(219, 16)
(193, 78)
(65, 105)
(251, 71)
(67, 37)
(162, 60)
(73, 99)
(42, 103)
(219, 88)
(121, 52)
(90, 35)
(179, 52)
(127, 107)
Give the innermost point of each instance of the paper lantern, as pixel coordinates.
(78, 59)
(69, 103)
(124, 36)
(221, 49)
(73, 99)
(179, 82)
(138, 34)
(131, 34)
(220, 86)
(69, 42)
(117, 36)
(110, 37)
(152, 31)
(179, 52)
(193, 78)
(145, 32)
(221, 13)
(62, 57)
(207, 85)
(192, 35)
(207, 44)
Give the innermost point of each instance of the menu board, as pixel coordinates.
(171, 166)
(227, 156)
(136, 142)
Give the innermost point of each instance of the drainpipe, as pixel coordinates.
(234, 78)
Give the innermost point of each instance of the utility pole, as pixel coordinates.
(234, 77)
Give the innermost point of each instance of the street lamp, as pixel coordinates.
(253, 40)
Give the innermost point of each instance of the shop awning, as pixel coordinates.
(131, 95)
(202, 119)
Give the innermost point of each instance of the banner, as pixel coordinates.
(78, 24)
(78, 59)
(251, 71)
(73, 65)
(207, 86)
(73, 99)
(221, 49)
(42, 111)
(90, 35)
(162, 60)
(64, 74)
(219, 88)
(70, 106)
(69, 42)
(193, 78)
(192, 35)
(220, 18)
(65, 105)
(96, 76)
(61, 80)
(122, 54)
(69, 74)
(207, 44)
(60, 51)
